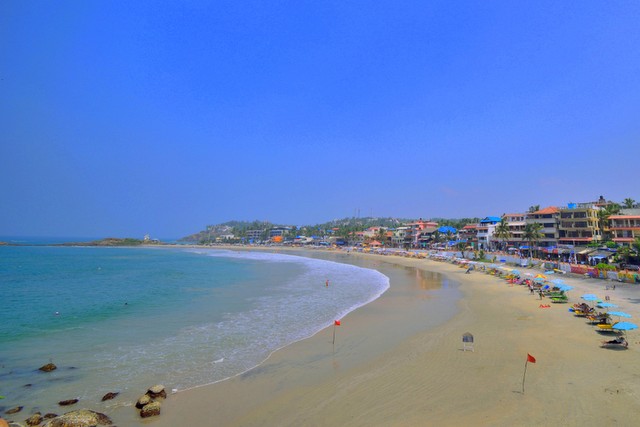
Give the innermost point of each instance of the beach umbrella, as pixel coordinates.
(606, 305)
(620, 314)
(514, 271)
(624, 326)
(541, 276)
(558, 282)
(565, 288)
(538, 280)
(589, 297)
(549, 272)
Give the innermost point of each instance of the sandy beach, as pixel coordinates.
(395, 365)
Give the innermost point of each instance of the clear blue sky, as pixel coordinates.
(120, 118)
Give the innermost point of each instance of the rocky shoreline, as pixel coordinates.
(149, 405)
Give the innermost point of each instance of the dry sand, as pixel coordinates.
(385, 374)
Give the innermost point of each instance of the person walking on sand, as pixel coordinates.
(327, 283)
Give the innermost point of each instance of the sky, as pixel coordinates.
(122, 118)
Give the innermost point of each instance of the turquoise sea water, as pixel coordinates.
(121, 319)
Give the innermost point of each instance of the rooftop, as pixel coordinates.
(547, 210)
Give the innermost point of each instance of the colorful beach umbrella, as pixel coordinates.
(540, 276)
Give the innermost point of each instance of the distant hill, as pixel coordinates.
(109, 241)
(238, 228)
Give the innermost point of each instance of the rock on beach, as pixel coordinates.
(80, 418)
(150, 410)
(148, 403)
(157, 391)
(109, 396)
(48, 367)
(34, 419)
(142, 401)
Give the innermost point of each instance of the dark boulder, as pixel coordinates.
(14, 410)
(157, 391)
(80, 418)
(150, 410)
(34, 419)
(109, 396)
(142, 401)
(48, 367)
(68, 402)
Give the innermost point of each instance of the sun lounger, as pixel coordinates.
(617, 343)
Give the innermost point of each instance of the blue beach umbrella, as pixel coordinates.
(620, 314)
(624, 326)
(606, 305)
(515, 272)
(589, 297)
(558, 282)
(565, 288)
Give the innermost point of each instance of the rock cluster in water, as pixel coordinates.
(149, 403)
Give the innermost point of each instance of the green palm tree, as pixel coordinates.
(532, 235)
(502, 230)
(603, 219)
(629, 203)
(636, 244)
(624, 253)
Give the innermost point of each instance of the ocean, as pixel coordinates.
(123, 319)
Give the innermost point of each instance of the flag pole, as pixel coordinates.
(524, 375)
(334, 336)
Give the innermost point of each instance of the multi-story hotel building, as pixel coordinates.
(625, 227)
(579, 224)
(516, 223)
(549, 218)
(486, 229)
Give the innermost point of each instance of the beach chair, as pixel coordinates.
(618, 343)
(598, 318)
(605, 328)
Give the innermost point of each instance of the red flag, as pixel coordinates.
(337, 323)
(530, 358)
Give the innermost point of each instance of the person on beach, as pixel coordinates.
(327, 283)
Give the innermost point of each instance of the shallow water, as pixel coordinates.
(121, 319)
